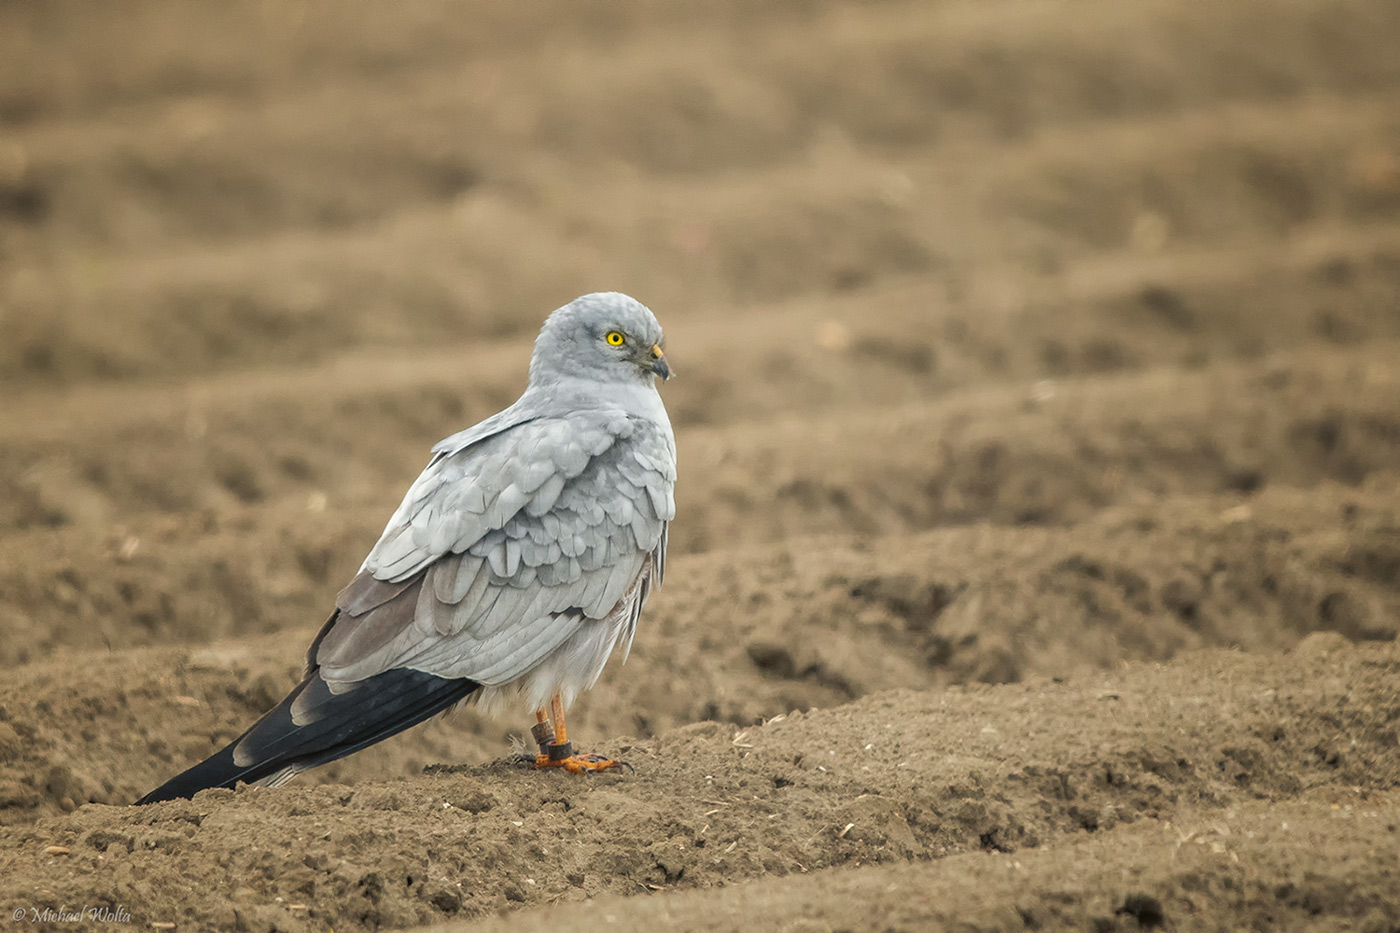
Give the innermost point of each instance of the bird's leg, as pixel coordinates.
(560, 752)
(556, 707)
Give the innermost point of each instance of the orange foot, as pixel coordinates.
(562, 756)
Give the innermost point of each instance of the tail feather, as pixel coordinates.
(313, 726)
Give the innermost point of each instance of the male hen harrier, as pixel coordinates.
(517, 561)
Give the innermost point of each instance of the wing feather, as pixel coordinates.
(505, 546)
(545, 496)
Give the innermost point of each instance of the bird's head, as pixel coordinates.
(605, 336)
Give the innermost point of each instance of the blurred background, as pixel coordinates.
(214, 188)
(1003, 266)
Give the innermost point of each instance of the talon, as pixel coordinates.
(577, 764)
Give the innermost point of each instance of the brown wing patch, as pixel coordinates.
(370, 614)
(365, 592)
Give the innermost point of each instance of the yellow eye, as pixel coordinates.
(615, 339)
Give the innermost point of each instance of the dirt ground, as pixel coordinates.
(1038, 554)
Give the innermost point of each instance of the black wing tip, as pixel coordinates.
(218, 770)
(382, 706)
(166, 793)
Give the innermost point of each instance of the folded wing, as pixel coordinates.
(503, 548)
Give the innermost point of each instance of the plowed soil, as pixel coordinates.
(1038, 554)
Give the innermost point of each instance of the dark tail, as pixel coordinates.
(313, 726)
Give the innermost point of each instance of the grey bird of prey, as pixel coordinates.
(517, 562)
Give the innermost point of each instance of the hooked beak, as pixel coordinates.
(658, 363)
